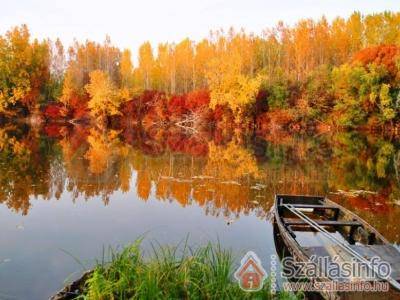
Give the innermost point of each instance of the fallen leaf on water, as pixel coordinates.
(182, 180)
(202, 177)
(363, 192)
(231, 182)
(261, 185)
(255, 187)
(355, 193)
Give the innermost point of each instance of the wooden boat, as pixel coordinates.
(313, 226)
(72, 290)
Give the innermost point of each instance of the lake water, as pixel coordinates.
(67, 193)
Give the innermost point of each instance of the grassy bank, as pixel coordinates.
(169, 273)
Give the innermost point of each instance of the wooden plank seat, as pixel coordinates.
(290, 222)
(315, 206)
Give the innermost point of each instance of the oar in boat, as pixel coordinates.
(358, 256)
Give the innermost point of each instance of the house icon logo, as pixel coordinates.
(250, 275)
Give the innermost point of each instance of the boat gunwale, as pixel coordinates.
(298, 253)
(341, 208)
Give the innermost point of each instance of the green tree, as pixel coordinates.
(363, 93)
(350, 91)
(317, 91)
(386, 106)
(278, 95)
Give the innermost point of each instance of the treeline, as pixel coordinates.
(344, 72)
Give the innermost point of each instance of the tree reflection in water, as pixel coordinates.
(222, 173)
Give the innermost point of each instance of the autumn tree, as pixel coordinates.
(317, 92)
(103, 95)
(69, 88)
(363, 93)
(203, 53)
(386, 55)
(146, 65)
(57, 64)
(127, 76)
(229, 86)
(387, 104)
(24, 69)
(185, 66)
(347, 82)
(288, 62)
(86, 58)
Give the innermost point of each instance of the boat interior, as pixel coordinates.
(341, 225)
(344, 227)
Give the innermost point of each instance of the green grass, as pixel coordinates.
(169, 273)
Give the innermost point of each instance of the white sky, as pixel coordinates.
(129, 23)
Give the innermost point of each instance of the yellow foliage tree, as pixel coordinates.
(24, 68)
(229, 86)
(127, 76)
(146, 65)
(68, 89)
(103, 95)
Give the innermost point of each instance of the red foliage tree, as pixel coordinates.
(78, 107)
(272, 120)
(381, 55)
(177, 105)
(197, 100)
(54, 111)
(53, 130)
(147, 103)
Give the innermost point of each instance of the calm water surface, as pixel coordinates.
(68, 192)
